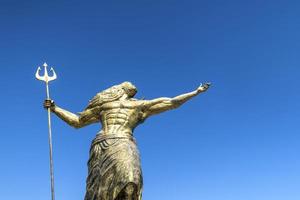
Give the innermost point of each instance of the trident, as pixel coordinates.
(46, 78)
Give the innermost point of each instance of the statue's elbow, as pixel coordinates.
(76, 125)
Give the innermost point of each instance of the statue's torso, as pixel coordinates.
(120, 117)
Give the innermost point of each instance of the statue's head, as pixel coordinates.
(128, 89)
(113, 93)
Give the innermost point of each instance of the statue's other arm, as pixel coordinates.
(77, 121)
(159, 105)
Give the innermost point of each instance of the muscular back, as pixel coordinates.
(120, 117)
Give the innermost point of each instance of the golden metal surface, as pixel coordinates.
(114, 164)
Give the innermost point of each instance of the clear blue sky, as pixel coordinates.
(238, 141)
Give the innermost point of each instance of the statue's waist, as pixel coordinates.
(105, 136)
(119, 132)
(116, 129)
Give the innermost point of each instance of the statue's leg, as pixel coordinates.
(128, 193)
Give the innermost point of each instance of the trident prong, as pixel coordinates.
(46, 78)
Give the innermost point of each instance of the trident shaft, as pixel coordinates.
(46, 78)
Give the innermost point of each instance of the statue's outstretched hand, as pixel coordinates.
(49, 103)
(203, 87)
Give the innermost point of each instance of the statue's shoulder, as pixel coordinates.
(139, 102)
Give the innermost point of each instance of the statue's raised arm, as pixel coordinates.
(162, 104)
(88, 116)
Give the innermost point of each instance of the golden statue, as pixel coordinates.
(114, 170)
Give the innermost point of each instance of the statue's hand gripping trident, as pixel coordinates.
(46, 78)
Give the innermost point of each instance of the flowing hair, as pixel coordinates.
(112, 94)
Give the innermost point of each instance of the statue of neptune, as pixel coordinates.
(114, 170)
